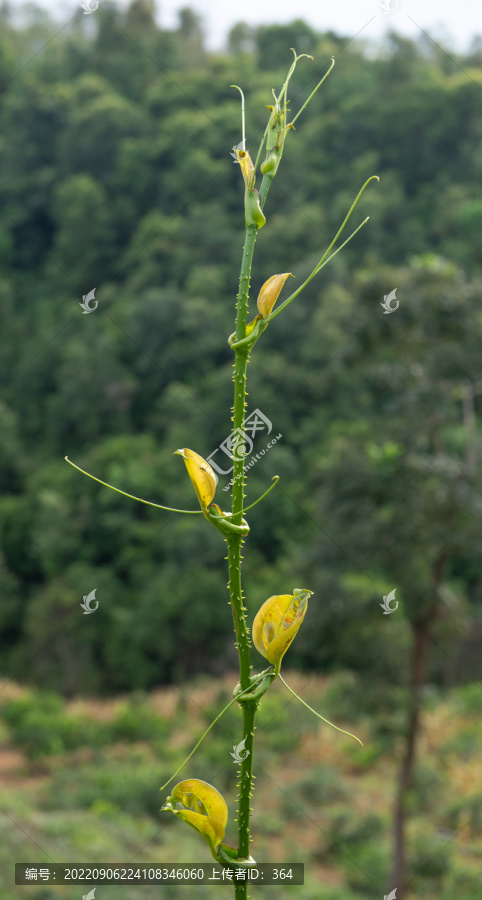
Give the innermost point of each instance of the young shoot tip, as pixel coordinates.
(307, 55)
(305, 104)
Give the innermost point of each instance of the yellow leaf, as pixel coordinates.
(277, 623)
(202, 807)
(201, 475)
(270, 292)
(247, 167)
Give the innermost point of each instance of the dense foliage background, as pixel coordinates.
(116, 174)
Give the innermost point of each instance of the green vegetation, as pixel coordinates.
(108, 175)
(99, 800)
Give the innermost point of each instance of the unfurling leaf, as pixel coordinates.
(270, 292)
(277, 622)
(201, 475)
(247, 167)
(201, 806)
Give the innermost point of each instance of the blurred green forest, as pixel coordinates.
(116, 174)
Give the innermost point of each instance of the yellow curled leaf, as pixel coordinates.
(276, 624)
(270, 292)
(247, 167)
(201, 806)
(201, 475)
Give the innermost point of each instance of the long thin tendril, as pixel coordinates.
(345, 220)
(305, 104)
(193, 512)
(324, 260)
(247, 690)
(317, 714)
(275, 478)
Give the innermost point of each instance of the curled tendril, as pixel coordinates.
(275, 478)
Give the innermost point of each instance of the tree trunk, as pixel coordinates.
(421, 638)
(421, 631)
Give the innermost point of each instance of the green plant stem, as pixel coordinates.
(236, 699)
(246, 785)
(234, 560)
(265, 185)
(235, 543)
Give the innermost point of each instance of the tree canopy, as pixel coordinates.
(115, 174)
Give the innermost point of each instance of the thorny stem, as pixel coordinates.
(259, 678)
(234, 543)
(246, 785)
(234, 561)
(239, 610)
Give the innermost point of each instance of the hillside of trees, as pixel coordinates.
(116, 175)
